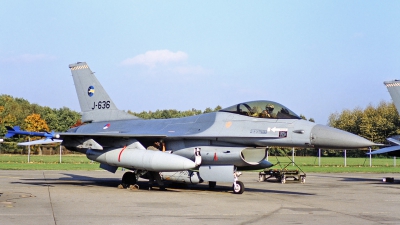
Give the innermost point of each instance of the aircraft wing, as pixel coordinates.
(137, 135)
(386, 150)
(40, 142)
(394, 140)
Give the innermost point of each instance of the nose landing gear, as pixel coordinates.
(238, 186)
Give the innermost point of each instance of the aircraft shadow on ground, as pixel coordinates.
(79, 180)
(73, 179)
(362, 179)
(370, 181)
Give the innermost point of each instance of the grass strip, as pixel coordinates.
(307, 164)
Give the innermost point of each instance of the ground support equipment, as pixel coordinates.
(282, 174)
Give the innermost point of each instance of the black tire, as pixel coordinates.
(238, 188)
(212, 184)
(128, 179)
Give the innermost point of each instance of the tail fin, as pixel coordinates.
(11, 131)
(394, 91)
(95, 103)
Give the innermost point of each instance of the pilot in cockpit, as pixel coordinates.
(267, 113)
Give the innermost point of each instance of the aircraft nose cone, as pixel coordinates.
(329, 137)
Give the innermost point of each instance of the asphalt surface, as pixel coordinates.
(92, 197)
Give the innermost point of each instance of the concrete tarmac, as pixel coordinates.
(92, 197)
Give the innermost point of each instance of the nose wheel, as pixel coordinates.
(238, 187)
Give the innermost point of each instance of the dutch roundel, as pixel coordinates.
(90, 91)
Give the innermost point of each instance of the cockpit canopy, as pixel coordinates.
(262, 109)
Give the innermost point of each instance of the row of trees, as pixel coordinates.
(31, 117)
(172, 113)
(374, 123)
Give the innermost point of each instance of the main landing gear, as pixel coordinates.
(128, 179)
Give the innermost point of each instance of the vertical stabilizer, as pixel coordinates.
(94, 101)
(394, 91)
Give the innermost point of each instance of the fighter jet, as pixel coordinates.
(211, 147)
(394, 91)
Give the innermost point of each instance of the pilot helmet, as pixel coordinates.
(269, 107)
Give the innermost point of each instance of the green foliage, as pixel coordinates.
(373, 123)
(47, 162)
(172, 113)
(330, 162)
(307, 164)
(10, 147)
(304, 118)
(32, 117)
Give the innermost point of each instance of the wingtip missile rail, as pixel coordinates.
(12, 131)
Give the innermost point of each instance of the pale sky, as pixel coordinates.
(315, 57)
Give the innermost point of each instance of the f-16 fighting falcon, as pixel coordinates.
(211, 147)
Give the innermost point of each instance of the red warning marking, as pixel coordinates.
(119, 156)
(215, 157)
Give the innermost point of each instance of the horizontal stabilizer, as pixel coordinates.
(394, 140)
(386, 150)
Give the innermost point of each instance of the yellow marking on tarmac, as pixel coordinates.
(27, 196)
(7, 203)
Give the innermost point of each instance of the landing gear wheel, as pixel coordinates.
(128, 179)
(238, 187)
(212, 184)
(283, 179)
